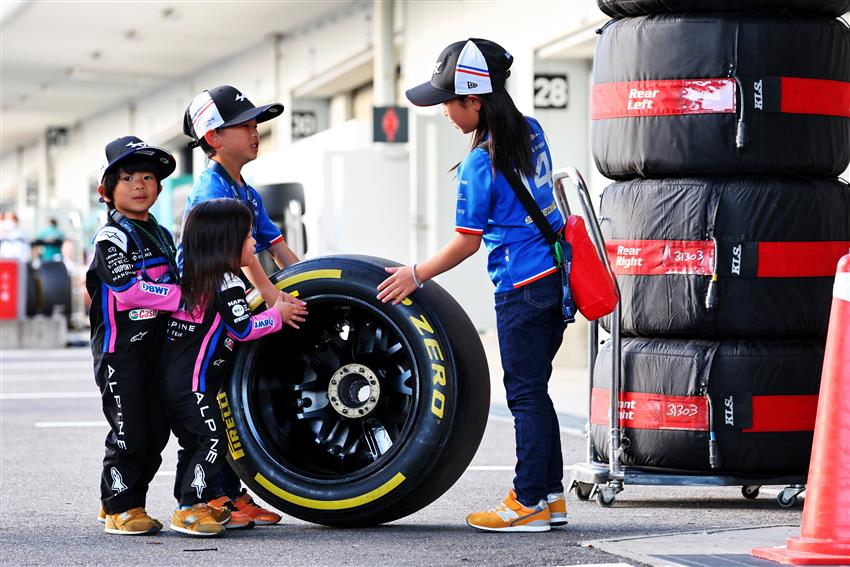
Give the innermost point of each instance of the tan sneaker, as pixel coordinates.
(511, 516)
(101, 517)
(259, 515)
(196, 521)
(557, 509)
(134, 521)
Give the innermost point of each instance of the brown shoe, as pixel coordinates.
(236, 520)
(134, 521)
(196, 521)
(101, 517)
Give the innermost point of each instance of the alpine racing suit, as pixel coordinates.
(132, 283)
(196, 358)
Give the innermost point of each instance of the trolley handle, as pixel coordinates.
(576, 180)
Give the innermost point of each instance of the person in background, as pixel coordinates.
(51, 239)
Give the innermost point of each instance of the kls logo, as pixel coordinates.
(729, 410)
(758, 95)
(736, 259)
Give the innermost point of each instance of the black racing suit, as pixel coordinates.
(197, 356)
(132, 283)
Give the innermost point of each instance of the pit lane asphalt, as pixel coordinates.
(49, 472)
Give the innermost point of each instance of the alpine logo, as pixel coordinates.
(137, 145)
(758, 95)
(198, 482)
(141, 314)
(729, 411)
(736, 259)
(138, 337)
(117, 481)
(239, 98)
(471, 85)
(437, 66)
(153, 289)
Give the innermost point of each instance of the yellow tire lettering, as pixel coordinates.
(433, 348)
(438, 403)
(422, 325)
(439, 374)
(234, 444)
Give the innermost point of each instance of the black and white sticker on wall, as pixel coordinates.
(551, 90)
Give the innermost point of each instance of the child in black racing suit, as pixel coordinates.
(132, 282)
(199, 348)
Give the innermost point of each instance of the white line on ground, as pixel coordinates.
(49, 395)
(100, 423)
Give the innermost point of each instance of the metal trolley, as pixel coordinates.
(605, 480)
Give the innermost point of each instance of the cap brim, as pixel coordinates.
(163, 161)
(260, 114)
(427, 94)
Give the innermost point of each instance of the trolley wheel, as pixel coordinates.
(583, 491)
(605, 497)
(787, 498)
(750, 492)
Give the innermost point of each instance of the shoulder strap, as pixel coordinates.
(527, 201)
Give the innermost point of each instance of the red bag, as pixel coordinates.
(593, 290)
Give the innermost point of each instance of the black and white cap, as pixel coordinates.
(474, 66)
(222, 107)
(121, 148)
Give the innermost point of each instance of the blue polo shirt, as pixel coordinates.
(486, 205)
(215, 183)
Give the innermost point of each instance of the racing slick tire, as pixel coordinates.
(757, 94)
(366, 414)
(55, 288)
(627, 8)
(725, 257)
(756, 399)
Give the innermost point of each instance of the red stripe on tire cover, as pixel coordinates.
(661, 257)
(815, 96)
(696, 257)
(799, 259)
(690, 413)
(662, 98)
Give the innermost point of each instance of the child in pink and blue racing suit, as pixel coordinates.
(132, 282)
(199, 349)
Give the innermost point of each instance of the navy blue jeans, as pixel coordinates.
(531, 329)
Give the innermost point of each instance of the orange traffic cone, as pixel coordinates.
(825, 531)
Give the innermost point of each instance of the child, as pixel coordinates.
(223, 122)
(199, 348)
(132, 283)
(469, 80)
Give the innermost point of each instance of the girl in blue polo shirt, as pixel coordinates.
(469, 81)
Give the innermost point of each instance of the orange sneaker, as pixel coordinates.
(196, 521)
(557, 509)
(228, 515)
(511, 516)
(259, 515)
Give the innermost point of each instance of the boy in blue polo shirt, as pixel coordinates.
(223, 123)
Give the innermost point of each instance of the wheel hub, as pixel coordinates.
(354, 391)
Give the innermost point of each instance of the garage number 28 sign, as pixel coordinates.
(551, 91)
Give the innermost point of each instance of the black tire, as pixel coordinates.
(278, 196)
(625, 8)
(55, 288)
(760, 396)
(749, 218)
(630, 140)
(428, 417)
(33, 291)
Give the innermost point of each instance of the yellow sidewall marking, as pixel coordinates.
(370, 496)
(298, 278)
(307, 276)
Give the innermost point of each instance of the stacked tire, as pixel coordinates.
(725, 125)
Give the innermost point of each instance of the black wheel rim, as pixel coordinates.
(287, 400)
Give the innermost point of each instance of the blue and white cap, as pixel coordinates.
(474, 66)
(120, 149)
